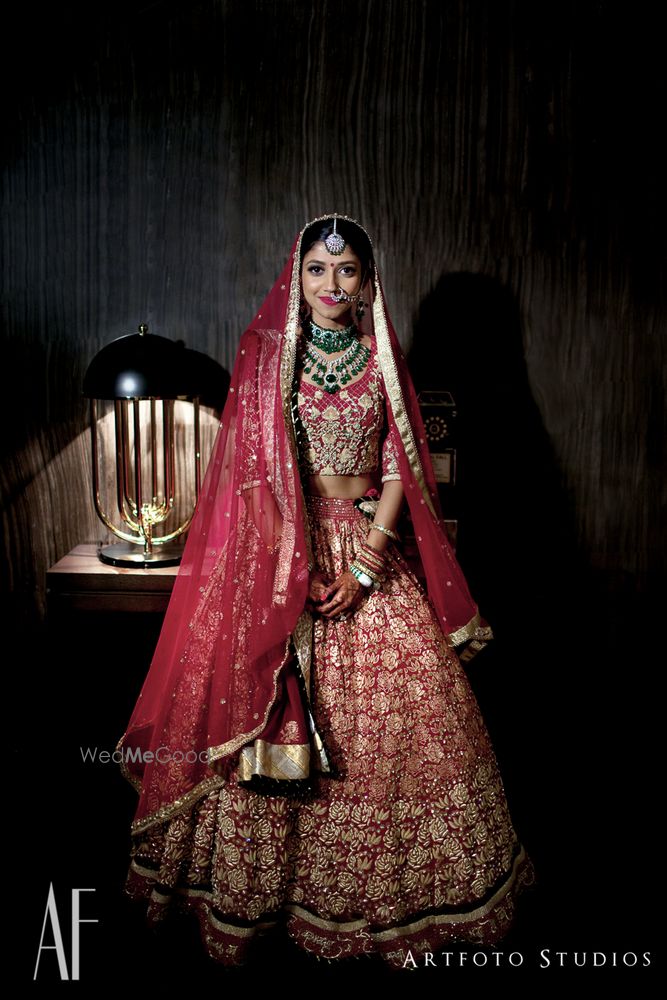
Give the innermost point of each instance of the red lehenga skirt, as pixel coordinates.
(409, 848)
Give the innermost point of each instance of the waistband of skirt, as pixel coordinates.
(336, 507)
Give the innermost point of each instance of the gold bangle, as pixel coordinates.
(386, 531)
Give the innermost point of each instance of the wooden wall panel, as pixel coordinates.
(502, 155)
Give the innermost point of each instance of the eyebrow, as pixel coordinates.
(323, 263)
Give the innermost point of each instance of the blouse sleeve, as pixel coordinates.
(390, 469)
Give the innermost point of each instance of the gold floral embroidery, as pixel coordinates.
(415, 823)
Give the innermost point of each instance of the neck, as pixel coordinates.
(334, 328)
(333, 324)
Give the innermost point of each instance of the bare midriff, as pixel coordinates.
(342, 487)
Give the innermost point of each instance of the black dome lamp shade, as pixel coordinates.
(144, 375)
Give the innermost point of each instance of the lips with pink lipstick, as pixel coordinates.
(329, 301)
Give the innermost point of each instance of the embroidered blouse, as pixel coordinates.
(345, 433)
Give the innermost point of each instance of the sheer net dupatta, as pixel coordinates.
(457, 612)
(225, 688)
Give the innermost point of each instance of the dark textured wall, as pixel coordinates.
(158, 160)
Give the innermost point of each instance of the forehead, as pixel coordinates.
(318, 252)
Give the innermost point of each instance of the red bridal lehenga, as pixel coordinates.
(333, 777)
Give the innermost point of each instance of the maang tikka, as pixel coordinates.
(335, 243)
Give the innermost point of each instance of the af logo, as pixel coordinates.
(51, 916)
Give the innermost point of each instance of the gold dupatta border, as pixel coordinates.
(285, 762)
(287, 373)
(178, 805)
(465, 632)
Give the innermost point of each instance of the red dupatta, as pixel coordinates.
(447, 588)
(228, 685)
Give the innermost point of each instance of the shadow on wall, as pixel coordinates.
(516, 539)
(516, 535)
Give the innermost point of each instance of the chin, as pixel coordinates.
(329, 314)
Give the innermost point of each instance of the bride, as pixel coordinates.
(307, 749)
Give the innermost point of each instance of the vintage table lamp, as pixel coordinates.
(147, 377)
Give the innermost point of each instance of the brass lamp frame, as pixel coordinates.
(139, 511)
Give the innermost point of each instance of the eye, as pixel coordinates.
(315, 269)
(348, 271)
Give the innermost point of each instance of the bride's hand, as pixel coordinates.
(345, 594)
(318, 584)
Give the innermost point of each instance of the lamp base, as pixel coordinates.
(126, 554)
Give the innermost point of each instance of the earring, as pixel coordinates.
(360, 309)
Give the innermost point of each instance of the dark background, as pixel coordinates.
(158, 160)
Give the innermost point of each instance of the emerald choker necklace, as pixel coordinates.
(331, 341)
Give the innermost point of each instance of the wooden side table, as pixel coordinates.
(81, 582)
(103, 622)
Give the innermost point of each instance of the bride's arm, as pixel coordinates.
(391, 498)
(387, 514)
(262, 508)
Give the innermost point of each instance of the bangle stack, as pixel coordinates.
(368, 566)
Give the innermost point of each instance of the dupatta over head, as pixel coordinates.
(228, 687)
